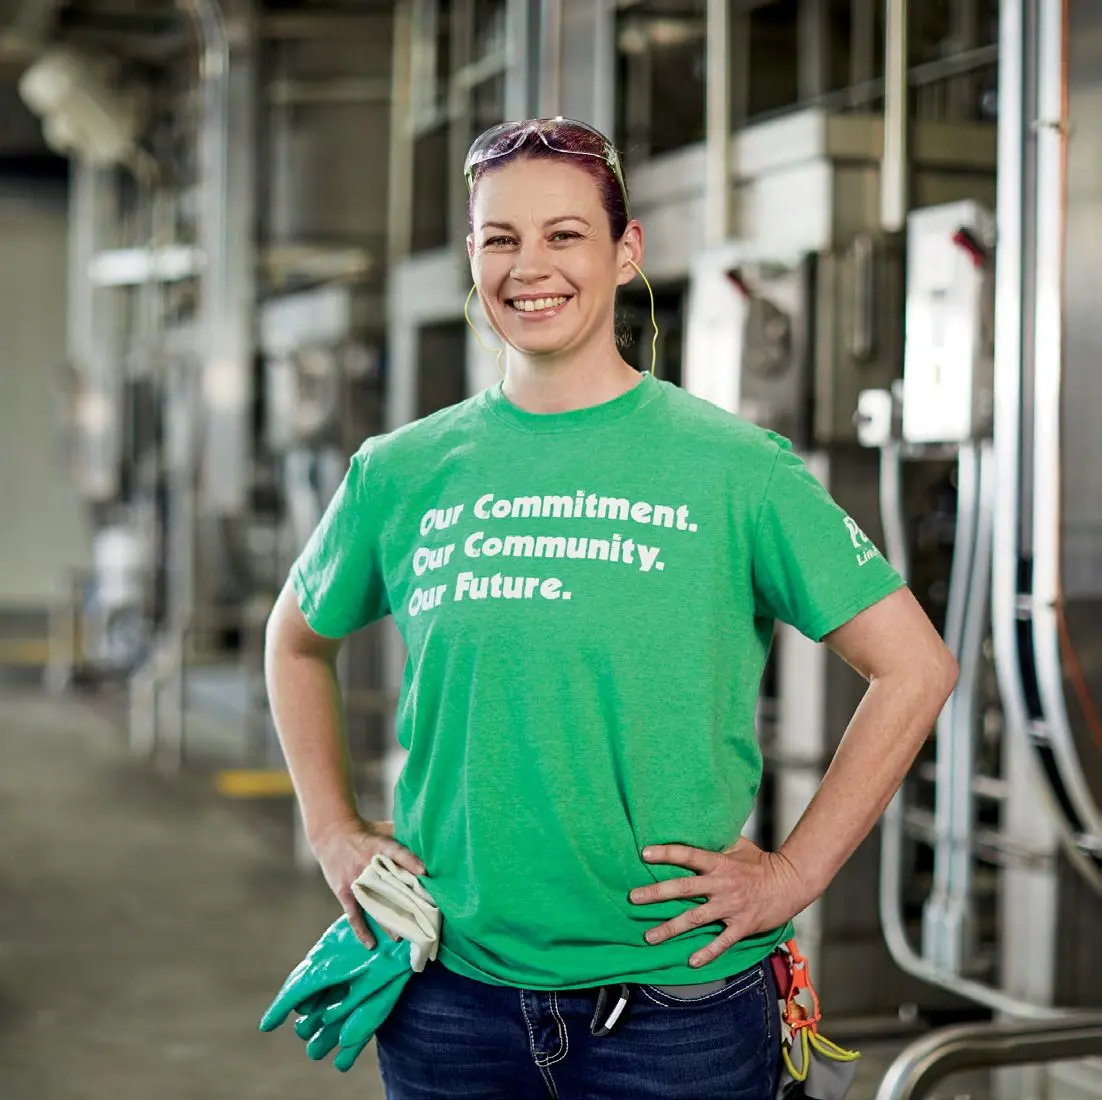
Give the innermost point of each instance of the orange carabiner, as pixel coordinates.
(796, 1016)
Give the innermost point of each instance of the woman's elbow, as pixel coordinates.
(948, 672)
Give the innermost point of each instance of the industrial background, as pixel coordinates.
(232, 248)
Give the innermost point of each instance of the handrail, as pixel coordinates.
(929, 1060)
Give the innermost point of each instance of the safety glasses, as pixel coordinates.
(562, 135)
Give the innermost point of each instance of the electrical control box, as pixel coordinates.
(789, 340)
(948, 362)
(747, 337)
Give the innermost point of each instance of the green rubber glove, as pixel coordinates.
(337, 960)
(359, 1029)
(368, 1017)
(350, 1019)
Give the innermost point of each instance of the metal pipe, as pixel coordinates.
(862, 93)
(226, 182)
(959, 912)
(214, 62)
(1049, 446)
(225, 381)
(931, 1059)
(862, 41)
(893, 167)
(333, 91)
(948, 919)
(813, 47)
(892, 827)
(899, 946)
(1029, 907)
(717, 182)
(400, 161)
(294, 26)
(940, 946)
(550, 89)
(896, 544)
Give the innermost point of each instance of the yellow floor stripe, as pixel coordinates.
(246, 783)
(18, 652)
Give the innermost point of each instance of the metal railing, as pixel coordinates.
(929, 1060)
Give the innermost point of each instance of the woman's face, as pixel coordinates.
(543, 258)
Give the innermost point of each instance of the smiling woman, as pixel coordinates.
(551, 240)
(586, 565)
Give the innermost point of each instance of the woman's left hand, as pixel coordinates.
(748, 889)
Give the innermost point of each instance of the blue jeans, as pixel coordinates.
(450, 1038)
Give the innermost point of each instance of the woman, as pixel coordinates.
(586, 565)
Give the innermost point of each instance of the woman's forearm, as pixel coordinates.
(879, 746)
(304, 696)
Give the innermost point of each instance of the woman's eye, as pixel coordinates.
(498, 242)
(565, 235)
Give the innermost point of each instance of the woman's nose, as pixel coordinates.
(530, 264)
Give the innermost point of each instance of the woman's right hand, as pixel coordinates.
(344, 850)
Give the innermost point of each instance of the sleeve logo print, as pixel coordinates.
(865, 549)
(548, 539)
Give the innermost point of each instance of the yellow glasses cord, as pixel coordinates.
(500, 351)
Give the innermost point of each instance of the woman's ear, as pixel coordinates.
(630, 247)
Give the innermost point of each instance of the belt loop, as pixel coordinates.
(611, 1004)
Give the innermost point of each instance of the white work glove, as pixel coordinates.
(400, 904)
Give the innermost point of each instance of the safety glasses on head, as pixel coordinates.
(561, 135)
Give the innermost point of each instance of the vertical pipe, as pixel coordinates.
(91, 335)
(522, 76)
(226, 225)
(960, 930)
(941, 944)
(1028, 905)
(862, 42)
(1049, 448)
(717, 184)
(550, 58)
(893, 167)
(459, 126)
(207, 24)
(400, 166)
(739, 67)
(604, 74)
(964, 28)
(813, 49)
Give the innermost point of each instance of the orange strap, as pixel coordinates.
(796, 1015)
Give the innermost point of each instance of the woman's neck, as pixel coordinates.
(546, 385)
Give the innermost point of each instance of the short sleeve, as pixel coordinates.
(814, 568)
(338, 577)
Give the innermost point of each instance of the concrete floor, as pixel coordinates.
(145, 924)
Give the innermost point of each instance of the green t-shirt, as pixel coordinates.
(588, 600)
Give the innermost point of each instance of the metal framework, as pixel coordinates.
(930, 1060)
